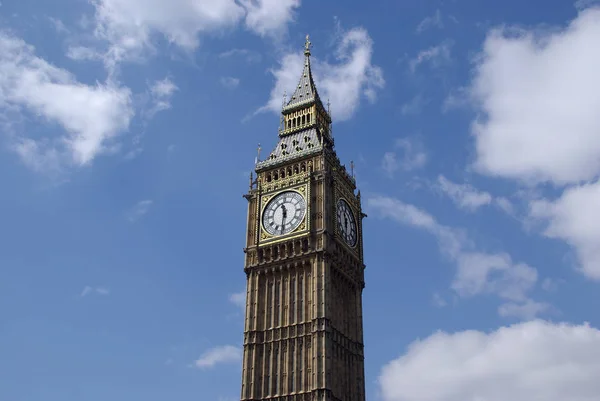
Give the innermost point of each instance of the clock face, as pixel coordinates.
(346, 222)
(284, 213)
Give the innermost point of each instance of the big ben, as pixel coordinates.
(303, 334)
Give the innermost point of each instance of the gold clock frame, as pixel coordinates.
(342, 192)
(303, 227)
(337, 226)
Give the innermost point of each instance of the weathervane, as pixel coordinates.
(282, 119)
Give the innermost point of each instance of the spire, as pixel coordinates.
(306, 124)
(306, 90)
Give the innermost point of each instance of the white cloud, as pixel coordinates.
(81, 53)
(92, 116)
(413, 156)
(58, 25)
(463, 195)
(102, 291)
(269, 17)
(345, 82)
(128, 26)
(530, 361)
(218, 355)
(139, 210)
(469, 198)
(238, 299)
(536, 92)
(436, 56)
(250, 56)
(477, 272)
(583, 4)
(161, 92)
(504, 205)
(87, 290)
(575, 218)
(550, 284)
(525, 311)
(484, 273)
(414, 106)
(230, 82)
(438, 301)
(538, 96)
(434, 21)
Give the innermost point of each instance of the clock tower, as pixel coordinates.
(303, 335)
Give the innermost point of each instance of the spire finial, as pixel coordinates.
(307, 46)
(352, 169)
(257, 154)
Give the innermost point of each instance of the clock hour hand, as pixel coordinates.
(283, 217)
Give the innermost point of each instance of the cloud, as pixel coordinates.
(438, 301)
(91, 116)
(414, 106)
(250, 56)
(87, 290)
(238, 299)
(219, 355)
(536, 360)
(128, 27)
(480, 273)
(525, 311)
(538, 101)
(139, 210)
(269, 17)
(230, 82)
(469, 198)
(464, 196)
(413, 156)
(161, 92)
(550, 284)
(82, 53)
(575, 218)
(58, 25)
(583, 4)
(345, 82)
(434, 21)
(436, 56)
(477, 272)
(537, 98)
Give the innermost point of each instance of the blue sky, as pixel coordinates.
(129, 128)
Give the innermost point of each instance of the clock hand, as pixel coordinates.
(283, 217)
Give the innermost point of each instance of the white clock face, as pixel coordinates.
(284, 213)
(346, 222)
